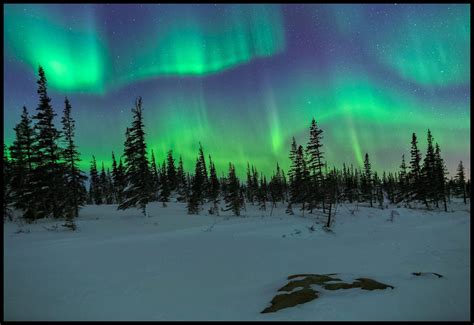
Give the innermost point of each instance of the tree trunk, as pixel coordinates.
(329, 217)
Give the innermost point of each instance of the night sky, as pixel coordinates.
(244, 79)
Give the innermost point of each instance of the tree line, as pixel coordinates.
(42, 177)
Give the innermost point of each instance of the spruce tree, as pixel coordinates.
(182, 182)
(315, 165)
(74, 177)
(461, 181)
(165, 191)
(109, 198)
(154, 178)
(203, 172)
(171, 172)
(103, 184)
(232, 198)
(138, 192)
(263, 191)
(7, 192)
(22, 169)
(415, 170)
(115, 184)
(249, 190)
(439, 177)
(368, 179)
(294, 169)
(48, 175)
(428, 172)
(403, 179)
(214, 187)
(197, 185)
(119, 182)
(95, 187)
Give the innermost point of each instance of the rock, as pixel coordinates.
(292, 299)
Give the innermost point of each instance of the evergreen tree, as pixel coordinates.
(232, 198)
(114, 178)
(249, 190)
(165, 190)
(276, 188)
(214, 187)
(197, 185)
(119, 182)
(109, 196)
(103, 184)
(182, 183)
(368, 179)
(203, 173)
(330, 184)
(21, 176)
(48, 175)
(263, 191)
(461, 181)
(138, 192)
(154, 178)
(171, 172)
(95, 184)
(7, 193)
(403, 179)
(428, 181)
(74, 177)
(254, 184)
(294, 169)
(415, 170)
(439, 178)
(315, 165)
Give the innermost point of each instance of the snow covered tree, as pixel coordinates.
(74, 177)
(138, 192)
(232, 198)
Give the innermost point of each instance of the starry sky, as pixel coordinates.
(244, 79)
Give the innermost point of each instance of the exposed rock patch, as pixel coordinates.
(306, 293)
(427, 273)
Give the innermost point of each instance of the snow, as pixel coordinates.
(120, 265)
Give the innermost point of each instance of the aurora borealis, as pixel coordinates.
(244, 79)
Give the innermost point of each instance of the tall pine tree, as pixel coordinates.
(74, 177)
(48, 175)
(138, 192)
(232, 197)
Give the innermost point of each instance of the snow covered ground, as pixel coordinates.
(120, 265)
